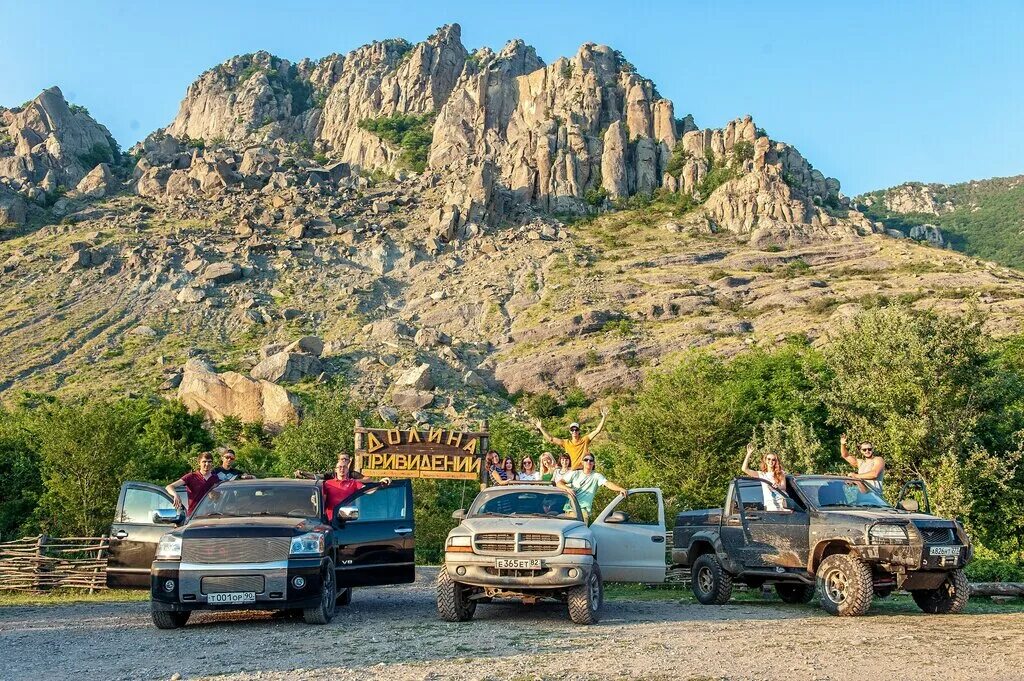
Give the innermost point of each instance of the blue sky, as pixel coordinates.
(873, 93)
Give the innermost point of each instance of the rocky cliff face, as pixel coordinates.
(46, 145)
(512, 135)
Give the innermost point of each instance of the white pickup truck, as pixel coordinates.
(528, 542)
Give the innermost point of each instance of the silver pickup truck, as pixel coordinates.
(528, 542)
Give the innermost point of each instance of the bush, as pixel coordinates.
(743, 151)
(680, 157)
(541, 405)
(99, 153)
(995, 570)
(412, 134)
(596, 196)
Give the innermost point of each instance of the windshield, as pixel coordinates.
(260, 500)
(838, 493)
(541, 503)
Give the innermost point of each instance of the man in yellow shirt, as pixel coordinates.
(576, 447)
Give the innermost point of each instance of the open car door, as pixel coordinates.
(378, 546)
(134, 535)
(630, 538)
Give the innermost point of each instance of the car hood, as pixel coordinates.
(254, 526)
(870, 515)
(516, 524)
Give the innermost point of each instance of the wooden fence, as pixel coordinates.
(37, 564)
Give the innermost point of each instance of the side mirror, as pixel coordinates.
(459, 515)
(910, 505)
(617, 517)
(346, 513)
(168, 516)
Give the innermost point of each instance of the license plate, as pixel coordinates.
(232, 598)
(518, 563)
(944, 551)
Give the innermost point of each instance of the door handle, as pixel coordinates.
(120, 534)
(403, 530)
(753, 516)
(658, 539)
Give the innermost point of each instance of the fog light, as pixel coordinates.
(574, 573)
(460, 571)
(169, 585)
(298, 582)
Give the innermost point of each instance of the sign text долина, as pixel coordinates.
(412, 453)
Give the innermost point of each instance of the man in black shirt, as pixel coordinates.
(226, 470)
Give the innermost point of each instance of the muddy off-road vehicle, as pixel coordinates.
(528, 542)
(829, 533)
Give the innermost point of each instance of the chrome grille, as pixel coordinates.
(234, 550)
(232, 583)
(522, 542)
(938, 535)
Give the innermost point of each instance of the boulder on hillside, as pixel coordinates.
(221, 273)
(313, 345)
(287, 367)
(411, 400)
(13, 210)
(429, 337)
(418, 378)
(232, 394)
(96, 184)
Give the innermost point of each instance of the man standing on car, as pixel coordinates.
(576, 447)
(343, 485)
(585, 483)
(870, 469)
(197, 483)
(226, 470)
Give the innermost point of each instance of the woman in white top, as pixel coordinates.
(771, 471)
(527, 471)
(564, 467)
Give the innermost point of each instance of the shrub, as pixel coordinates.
(541, 405)
(411, 133)
(680, 157)
(743, 151)
(78, 109)
(596, 196)
(99, 153)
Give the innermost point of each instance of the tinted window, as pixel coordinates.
(839, 493)
(381, 503)
(640, 508)
(259, 500)
(751, 496)
(139, 505)
(542, 502)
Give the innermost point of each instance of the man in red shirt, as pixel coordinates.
(343, 485)
(197, 483)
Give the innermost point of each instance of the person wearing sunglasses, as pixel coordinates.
(585, 483)
(527, 472)
(226, 470)
(771, 471)
(576, 446)
(870, 468)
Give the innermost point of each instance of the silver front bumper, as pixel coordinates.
(481, 571)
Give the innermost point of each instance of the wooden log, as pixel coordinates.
(1012, 589)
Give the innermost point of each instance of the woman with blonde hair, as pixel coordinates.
(547, 467)
(771, 472)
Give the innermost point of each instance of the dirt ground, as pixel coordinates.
(394, 633)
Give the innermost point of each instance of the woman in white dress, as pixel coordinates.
(772, 472)
(527, 471)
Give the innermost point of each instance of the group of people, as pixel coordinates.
(575, 472)
(870, 470)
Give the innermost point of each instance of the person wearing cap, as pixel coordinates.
(576, 447)
(226, 470)
(585, 483)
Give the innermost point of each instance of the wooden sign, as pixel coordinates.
(420, 452)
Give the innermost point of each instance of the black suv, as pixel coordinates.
(260, 544)
(829, 532)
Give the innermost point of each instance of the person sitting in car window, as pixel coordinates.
(343, 485)
(527, 472)
(771, 471)
(564, 467)
(226, 470)
(506, 474)
(547, 467)
(870, 468)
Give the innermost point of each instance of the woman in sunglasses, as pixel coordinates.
(527, 471)
(870, 468)
(771, 471)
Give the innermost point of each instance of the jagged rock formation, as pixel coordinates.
(46, 145)
(232, 394)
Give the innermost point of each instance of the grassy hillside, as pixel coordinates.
(986, 220)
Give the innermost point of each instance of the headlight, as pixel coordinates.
(888, 534)
(309, 544)
(169, 548)
(578, 546)
(459, 544)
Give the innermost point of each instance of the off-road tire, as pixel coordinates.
(845, 585)
(710, 583)
(324, 612)
(795, 593)
(585, 599)
(168, 619)
(345, 597)
(948, 599)
(453, 602)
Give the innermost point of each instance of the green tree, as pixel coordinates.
(21, 484)
(325, 431)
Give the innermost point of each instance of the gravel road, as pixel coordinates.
(394, 633)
